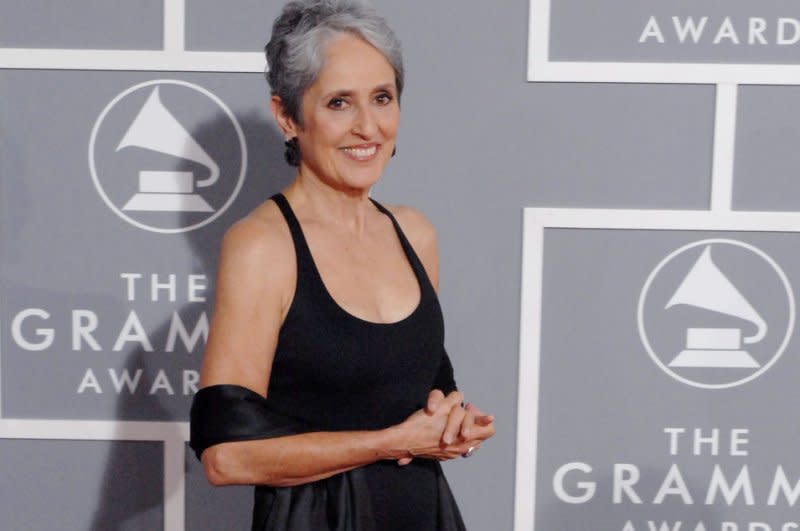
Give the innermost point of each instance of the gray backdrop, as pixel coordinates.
(477, 144)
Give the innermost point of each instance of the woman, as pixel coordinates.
(325, 381)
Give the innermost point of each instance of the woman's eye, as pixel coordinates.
(383, 98)
(336, 103)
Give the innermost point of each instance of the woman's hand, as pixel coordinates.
(463, 427)
(421, 433)
(462, 422)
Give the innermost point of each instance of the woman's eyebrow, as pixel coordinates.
(391, 87)
(340, 93)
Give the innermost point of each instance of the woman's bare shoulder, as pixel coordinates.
(415, 225)
(258, 248)
(262, 232)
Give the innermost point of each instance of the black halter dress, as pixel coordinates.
(333, 371)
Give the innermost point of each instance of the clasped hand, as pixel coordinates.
(445, 429)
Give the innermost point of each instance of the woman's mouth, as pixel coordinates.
(361, 152)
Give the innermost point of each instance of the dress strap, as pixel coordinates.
(416, 263)
(305, 261)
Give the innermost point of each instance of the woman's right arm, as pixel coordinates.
(254, 287)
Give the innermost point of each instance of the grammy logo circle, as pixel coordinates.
(167, 156)
(716, 313)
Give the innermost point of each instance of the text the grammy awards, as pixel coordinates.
(689, 480)
(32, 330)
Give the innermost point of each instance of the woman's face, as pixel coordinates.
(350, 116)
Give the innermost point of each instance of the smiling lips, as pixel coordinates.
(361, 153)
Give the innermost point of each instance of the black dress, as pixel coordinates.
(333, 371)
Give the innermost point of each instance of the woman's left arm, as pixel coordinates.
(468, 423)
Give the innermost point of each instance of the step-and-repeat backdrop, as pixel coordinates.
(658, 363)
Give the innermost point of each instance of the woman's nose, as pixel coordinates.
(365, 123)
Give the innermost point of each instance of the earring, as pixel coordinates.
(292, 152)
(394, 151)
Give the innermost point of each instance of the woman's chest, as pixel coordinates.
(336, 375)
(339, 353)
(371, 279)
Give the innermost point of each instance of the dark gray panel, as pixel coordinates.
(54, 220)
(209, 507)
(237, 25)
(611, 31)
(603, 400)
(767, 158)
(82, 24)
(92, 485)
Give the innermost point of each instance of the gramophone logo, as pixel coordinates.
(716, 313)
(167, 156)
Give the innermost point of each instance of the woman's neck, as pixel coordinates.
(345, 208)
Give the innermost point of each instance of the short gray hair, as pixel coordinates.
(295, 51)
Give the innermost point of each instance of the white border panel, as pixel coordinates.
(172, 434)
(535, 221)
(541, 68)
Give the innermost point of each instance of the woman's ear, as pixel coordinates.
(284, 121)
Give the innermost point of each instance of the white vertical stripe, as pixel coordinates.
(538, 36)
(528, 375)
(174, 485)
(174, 25)
(1, 365)
(724, 147)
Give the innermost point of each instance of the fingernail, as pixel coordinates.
(465, 432)
(447, 439)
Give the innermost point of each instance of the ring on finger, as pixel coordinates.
(469, 452)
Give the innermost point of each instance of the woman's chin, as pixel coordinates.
(360, 184)
(361, 177)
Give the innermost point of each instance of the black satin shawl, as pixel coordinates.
(226, 413)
